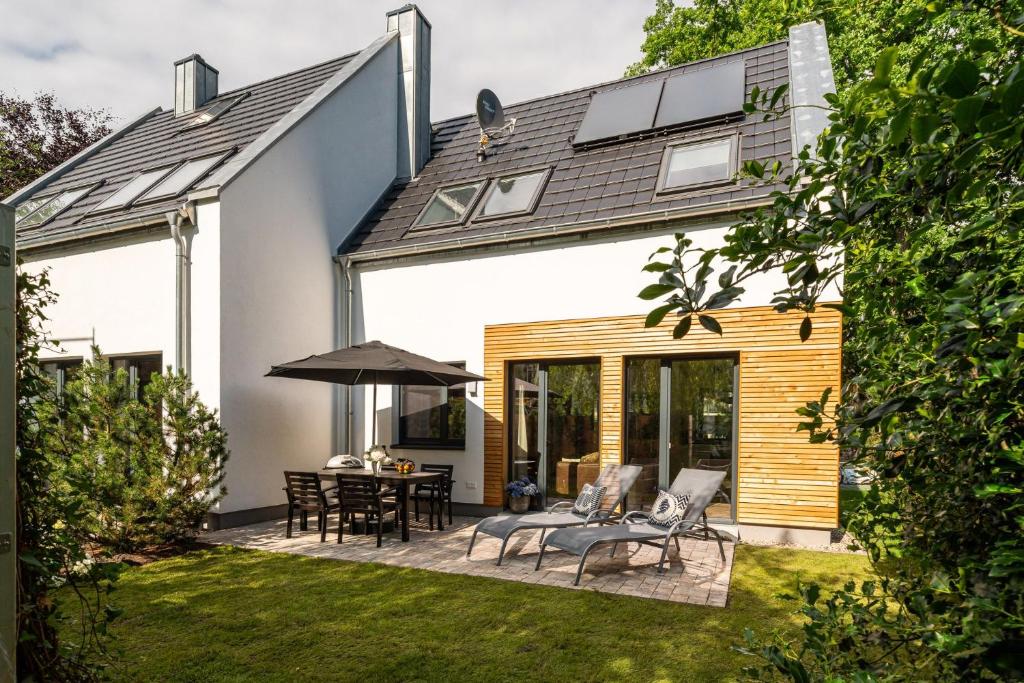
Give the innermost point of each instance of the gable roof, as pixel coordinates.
(588, 186)
(159, 139)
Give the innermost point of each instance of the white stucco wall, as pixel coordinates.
(439, 309)
(280, 224)
(119, 295)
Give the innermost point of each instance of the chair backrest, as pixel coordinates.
(619, 479)
(357, 492)
(447, 469)
(700, 486)
(303, 488)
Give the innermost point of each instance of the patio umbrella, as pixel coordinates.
(374, 363)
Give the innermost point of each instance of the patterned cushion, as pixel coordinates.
(589, 499)
(668, 509)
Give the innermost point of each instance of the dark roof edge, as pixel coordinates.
(255, 149)
(455, 244)
(620, 80)
(74, 161)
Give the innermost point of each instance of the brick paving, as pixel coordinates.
(696, 574)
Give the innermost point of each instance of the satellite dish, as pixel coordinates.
(489, 113)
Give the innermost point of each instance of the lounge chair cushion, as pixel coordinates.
(589, 499)
(668, 509)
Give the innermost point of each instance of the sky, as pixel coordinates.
(118, 55)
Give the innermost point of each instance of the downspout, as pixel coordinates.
(343, 269)
(182, 282)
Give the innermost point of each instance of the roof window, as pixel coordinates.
(56, 204)
(514, 194)
(449, 205)
(697, 164)
(213, 112)
(183, 177)
(132, 189)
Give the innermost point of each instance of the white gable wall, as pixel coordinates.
(280, 222)
(439, 309)
(119, 295)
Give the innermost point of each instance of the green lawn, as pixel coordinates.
(237, 615)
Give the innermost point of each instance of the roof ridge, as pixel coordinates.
(287, 74)
(619, 80)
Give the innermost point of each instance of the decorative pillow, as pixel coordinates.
(668, 509)
(589, 499)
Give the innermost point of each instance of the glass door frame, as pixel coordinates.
(665, 410)
(542, 412)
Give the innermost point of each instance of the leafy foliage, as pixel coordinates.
(36, 135)
(52, 558)
(917, 182)
(154, 465)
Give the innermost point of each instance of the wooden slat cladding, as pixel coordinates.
(781, 480)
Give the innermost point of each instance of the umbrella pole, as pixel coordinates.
(374, 411)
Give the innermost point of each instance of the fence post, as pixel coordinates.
(8, 503)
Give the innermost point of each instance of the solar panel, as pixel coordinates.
(620, 112)
(703, 94)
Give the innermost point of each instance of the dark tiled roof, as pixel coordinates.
(160, 140)
(609, 182)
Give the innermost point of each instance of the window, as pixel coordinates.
(515, 194)
(214, 112)
(433, 417)
(449, 205)
(132, 189)
(61, 370)
(698, 164)
(182, 178)
(50, 209)
(26, 208)
(140, 369)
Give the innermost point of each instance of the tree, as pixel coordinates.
(37, 135)
(918, 181)
(52, 558)
(153, 464)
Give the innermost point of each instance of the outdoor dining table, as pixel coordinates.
(392, 477)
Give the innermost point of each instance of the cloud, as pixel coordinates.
(118, 55)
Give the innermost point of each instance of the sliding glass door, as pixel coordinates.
(553, 410)
(681, 413)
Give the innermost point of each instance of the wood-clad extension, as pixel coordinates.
(782, 480)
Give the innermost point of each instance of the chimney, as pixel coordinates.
(413, 88)
(195, 84)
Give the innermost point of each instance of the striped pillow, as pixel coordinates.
(668, 509)
(589, 499)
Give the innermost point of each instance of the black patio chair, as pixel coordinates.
(440, 491)
(364, 495)
(306, 494)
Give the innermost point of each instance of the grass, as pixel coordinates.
(237, 615)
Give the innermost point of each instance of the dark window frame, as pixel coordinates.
(139, 382)
(666, 157)
(470, 206)
(444, 442)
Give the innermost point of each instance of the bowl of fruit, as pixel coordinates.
(405, 466)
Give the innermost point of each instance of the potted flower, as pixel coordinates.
(376, 457)
(519, 493)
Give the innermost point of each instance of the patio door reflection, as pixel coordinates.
(553, 415)
(681, 414)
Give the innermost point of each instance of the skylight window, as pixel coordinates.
(56, 205)
(515, 194)
(697, 164)
(182, 178)
(132, 189)
(213, 112)
(449, 205)
(25, 208)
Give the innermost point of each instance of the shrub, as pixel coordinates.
(154, 460)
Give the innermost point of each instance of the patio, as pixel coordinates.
(696, 575)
